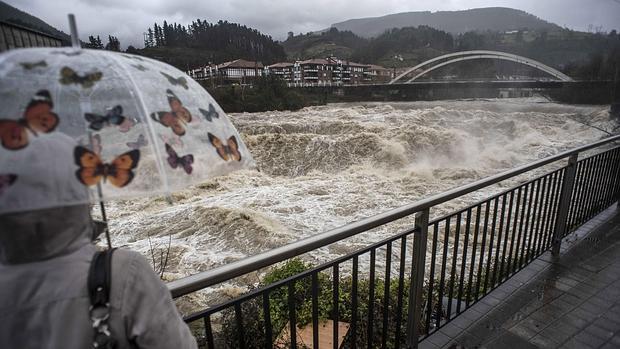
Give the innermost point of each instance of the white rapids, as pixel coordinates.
(322, 167)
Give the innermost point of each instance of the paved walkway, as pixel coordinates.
(571, 302)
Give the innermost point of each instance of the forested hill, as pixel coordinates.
(202, 42)
(481, 19)
(332, 42)
(579, 54)
(346, 45)
(9, 13)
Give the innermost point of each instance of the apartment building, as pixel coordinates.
(328, 71)
(282, 70)
(310, 72)
(378, 74)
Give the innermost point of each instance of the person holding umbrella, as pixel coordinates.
(78, 128)
(45, 257)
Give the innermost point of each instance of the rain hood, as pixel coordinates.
(33, 236)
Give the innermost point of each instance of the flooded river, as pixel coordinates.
(322, 167)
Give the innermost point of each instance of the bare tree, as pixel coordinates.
(159, 266)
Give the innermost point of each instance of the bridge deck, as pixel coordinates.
(571, 302)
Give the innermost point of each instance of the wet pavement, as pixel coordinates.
(569, 302)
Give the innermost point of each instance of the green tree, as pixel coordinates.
(113, 44)
(94, 43)
(148, 40)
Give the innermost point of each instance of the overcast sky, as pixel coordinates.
(128, 19)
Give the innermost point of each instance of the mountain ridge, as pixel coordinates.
(479, 19)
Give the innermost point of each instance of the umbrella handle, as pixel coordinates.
(75, 40)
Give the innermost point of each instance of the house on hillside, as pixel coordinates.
(237, 71)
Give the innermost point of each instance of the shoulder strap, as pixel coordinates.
(99, 289)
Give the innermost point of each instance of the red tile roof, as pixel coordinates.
(240, 63)
(315, 61)
(280, 65)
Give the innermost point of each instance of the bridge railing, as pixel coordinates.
(396, 292)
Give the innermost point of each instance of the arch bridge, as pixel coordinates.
(456, 57)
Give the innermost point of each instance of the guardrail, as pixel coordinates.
(400, 293)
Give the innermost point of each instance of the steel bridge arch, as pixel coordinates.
(482, 54)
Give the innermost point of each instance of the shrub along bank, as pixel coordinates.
(384, 303)
(266, 94)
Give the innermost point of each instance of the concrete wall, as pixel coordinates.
(567, 92)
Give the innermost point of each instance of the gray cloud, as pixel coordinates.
(128, 19)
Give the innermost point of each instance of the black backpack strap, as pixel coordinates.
(99, 288)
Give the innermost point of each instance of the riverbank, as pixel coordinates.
(271, 94)
(266, 94)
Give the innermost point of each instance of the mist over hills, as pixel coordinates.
(394, 41)
(481, 19)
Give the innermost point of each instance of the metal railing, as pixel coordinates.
(395, 293)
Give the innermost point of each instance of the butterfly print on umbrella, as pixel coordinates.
(210, 114)
(133, 57)
(176, 118)
(69, 76)
(114, 117)
(68, 53)
(126, 125)
(172, 140)
(92, 169)
(175, 160)
(6, 180)
(32, 65)
(96, 147)
(180, 81)
(228, 151)
(139, 143)
(38, 118)
(140, 67)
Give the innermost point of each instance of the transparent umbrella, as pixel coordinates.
(111, 125)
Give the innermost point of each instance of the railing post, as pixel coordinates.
(565, 198)
(414, 314)
(618, 188)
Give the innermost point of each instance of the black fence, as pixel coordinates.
(397, 292)
(593, 192)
